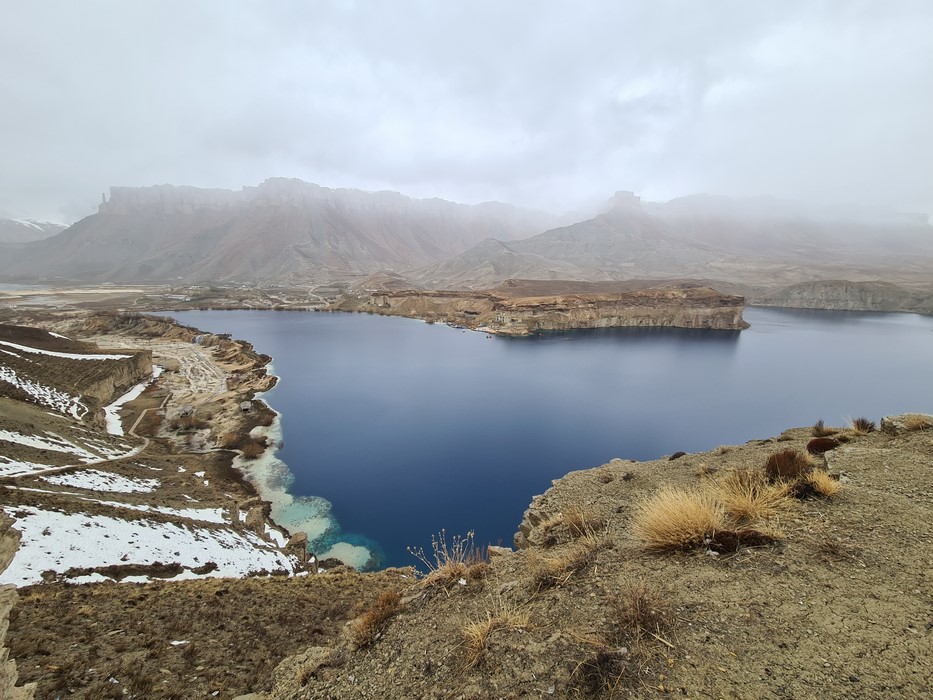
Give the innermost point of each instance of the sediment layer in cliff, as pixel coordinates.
(523, 307)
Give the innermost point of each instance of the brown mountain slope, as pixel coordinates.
(281, 232)
(735, 241)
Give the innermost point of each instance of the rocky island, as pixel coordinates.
(524, 307)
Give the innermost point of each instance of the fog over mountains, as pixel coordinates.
(288, 232)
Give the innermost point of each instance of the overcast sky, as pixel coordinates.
(546, 104)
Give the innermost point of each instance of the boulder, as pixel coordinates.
(906, 422)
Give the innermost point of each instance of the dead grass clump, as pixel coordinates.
(818, 483)
(748, 496)
(576, 521)
(862, 425)
(640, 609)
(476, 633)
(917, 422)
(558, 569)
(788, 464)
(460, 562)
(367, 628)
(819, 429)
(602, 670)
(581, 521)
(677, 519)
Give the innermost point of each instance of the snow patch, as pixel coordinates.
(66, 355)
(59, 541)
(45, 395)
(52, 442)
(94, 480)
(111, 411)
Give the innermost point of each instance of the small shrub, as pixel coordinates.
(461, 560)
(862, 425)
(366, 628)
(747, 495)
(230, 440)
(788, 464)
(820, 430)
(677, 519)
(184, 423)
(252, 449)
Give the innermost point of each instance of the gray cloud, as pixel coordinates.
(539, 103)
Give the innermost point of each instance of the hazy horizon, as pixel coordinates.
(534, 104)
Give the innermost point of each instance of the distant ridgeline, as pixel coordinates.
(523, 307)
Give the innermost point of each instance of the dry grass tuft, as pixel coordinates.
(640, 609)
(789, 464)
(748, 496)
(476, 633)
(862, 425)
(677, 519)
(366, 628)
(819, 483)
(819, 429)
(575, 521)
(558, 569)
(917, 422)
(459, 562)
(581, 521)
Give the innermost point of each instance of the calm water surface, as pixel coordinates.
(406, 428)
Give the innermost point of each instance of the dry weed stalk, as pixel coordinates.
(819, 429)
(459, 561)
(476, 633)
(862, 425)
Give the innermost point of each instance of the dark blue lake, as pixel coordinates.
(394, 429)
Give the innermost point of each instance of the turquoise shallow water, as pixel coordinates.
(394, 429)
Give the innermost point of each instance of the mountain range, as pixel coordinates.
(287, 232)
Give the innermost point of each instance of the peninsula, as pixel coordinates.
(524, 307)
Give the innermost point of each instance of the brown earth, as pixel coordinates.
(72, 640)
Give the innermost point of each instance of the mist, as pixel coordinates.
(536, 103)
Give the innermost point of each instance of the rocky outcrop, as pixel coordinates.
(9, 541)
(843, 295)
(520, 308)
(121, 375)
(906, 423)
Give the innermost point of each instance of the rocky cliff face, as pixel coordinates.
(9, 541)
(515, 310)
(848, 296)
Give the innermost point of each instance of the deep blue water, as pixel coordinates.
(407, 428)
